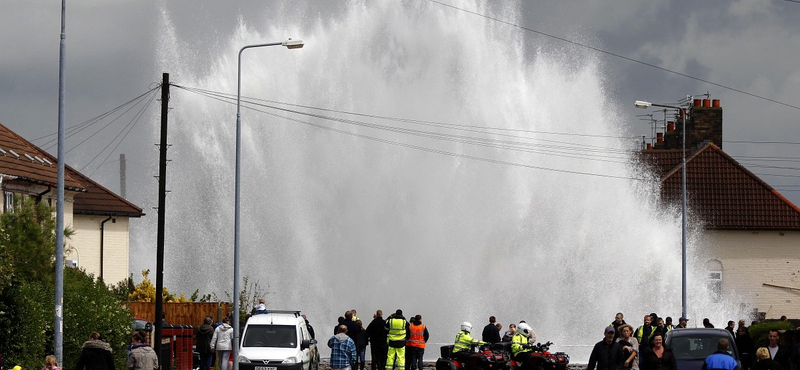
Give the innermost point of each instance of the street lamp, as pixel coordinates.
(290, 44)
(644, 105)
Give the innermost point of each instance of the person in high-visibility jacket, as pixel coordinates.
(416, 342)
(645, 332)
(462, 349)
(396, 336)
(522, 345)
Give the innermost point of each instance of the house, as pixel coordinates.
(750, 232)
(99, 218)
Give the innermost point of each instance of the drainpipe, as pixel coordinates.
(102, 231)
(40, 195)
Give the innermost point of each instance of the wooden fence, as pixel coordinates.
(191, 313)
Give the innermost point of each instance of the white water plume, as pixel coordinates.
(334, 221)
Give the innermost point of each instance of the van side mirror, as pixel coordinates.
(305, 344)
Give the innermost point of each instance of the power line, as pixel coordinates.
(426, 149)
(555, 150)
(93, 120)
(415, 121)
(132, 124)
(615, 54)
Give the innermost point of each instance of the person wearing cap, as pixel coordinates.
(605, 352)
(682, 323)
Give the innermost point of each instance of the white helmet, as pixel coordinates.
(524, 328)
(466, 326)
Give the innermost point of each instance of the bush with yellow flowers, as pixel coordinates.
(146, 292)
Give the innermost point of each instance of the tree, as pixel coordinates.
(27, 254)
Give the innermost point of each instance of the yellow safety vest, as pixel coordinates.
(518, 344)
(464, 342)
(640, 333)
(397, 329)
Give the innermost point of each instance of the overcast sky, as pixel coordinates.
(113, 47)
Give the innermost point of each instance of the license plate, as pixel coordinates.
(266, 368)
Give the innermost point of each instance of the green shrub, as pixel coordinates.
(759, 332)
(89, 306)
(28, 319)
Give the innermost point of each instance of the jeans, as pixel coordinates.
(205, 361)
(416, 357)
(223, 359)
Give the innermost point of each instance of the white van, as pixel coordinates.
(278, 340)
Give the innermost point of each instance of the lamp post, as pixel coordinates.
(290, 44)
(644, 105)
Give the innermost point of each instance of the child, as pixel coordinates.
(50, 363)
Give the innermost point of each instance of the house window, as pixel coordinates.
(8, 202)
(714, 278)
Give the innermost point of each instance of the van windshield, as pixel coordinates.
(283, 336)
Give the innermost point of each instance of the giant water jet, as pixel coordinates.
(554, 223)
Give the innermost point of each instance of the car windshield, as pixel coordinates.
(282, 336)
(695, 347)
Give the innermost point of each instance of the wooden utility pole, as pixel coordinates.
(162, 210)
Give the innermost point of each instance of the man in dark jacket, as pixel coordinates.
(616, 324)
(604, 353)
(490, 332)
(204, 334)
(377, 340)
(95, 355)
(777, 352)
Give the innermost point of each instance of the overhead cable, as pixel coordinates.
(615, 54)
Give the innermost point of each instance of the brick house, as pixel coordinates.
(99, 218)
(750, 232)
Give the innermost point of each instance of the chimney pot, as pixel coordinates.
(659, 138)
(649, 146)
(706, 103)
(697, 102)
(670, 126)
(715, 103)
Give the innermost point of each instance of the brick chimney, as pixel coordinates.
(704, 124)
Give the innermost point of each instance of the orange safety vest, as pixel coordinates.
(417, 338)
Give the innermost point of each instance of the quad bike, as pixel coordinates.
(543, 359)
(488, 357)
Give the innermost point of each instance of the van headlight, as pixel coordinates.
(291, 360)
(244, 359)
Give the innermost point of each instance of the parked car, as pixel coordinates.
(691, 346)
(278, 340)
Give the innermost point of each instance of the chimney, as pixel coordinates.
(670, 126)
(705, 124)
(659, 138)
(649, 146)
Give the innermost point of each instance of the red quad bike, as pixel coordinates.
(488, 357)
(543, 359)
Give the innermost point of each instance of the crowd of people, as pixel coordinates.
(643, 348)
(397, 343)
